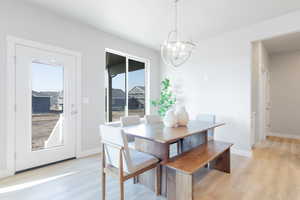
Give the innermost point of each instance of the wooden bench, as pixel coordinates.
(182, 167)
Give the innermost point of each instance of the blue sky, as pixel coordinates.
(47, 77)
(136, 78)
(50, 78)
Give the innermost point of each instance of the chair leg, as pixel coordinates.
(121, 177)
(158, 180)
(121, 190)
(103, 185)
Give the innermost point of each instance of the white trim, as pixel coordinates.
(10, 93)
(5, 173)
(127, 88)
(116, 124)
(79, 104)
(291, 136)
(89, 152)
(241, 152)
(10, 105)
(42, 46)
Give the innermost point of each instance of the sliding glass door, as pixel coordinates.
(136, 85)
(125, 86)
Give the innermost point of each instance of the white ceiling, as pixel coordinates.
(148, 21)
(284, 43)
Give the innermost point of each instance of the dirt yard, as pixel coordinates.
(42, 126)
(117, 114)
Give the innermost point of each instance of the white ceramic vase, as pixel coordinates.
(170, 119)
(182, 116)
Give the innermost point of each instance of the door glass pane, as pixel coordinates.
(136, 86)
(116, 91)
(47, 105)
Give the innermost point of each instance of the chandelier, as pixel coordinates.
(175, 52)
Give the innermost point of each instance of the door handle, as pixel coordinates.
(74, 112)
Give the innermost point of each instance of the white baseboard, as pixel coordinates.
(284, 135)
(89, 152)
(5, 173)
(241, 152)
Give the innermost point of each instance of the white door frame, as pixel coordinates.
(259, 117)
(263, 81)
(11, 101)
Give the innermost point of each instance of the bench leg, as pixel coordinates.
(184, 186)
(222, 163)
(180, 186)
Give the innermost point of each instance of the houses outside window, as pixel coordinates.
(126, 80)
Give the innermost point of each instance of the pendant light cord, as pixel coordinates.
(176, 19)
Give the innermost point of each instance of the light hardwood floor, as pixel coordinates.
(273, 173)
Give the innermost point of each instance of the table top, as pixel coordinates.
(159, 133)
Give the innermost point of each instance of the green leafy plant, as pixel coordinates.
(166, 100)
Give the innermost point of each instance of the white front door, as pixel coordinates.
(45, 107)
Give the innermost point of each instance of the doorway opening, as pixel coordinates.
(275, 86)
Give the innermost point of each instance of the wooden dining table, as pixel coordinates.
(156, 139)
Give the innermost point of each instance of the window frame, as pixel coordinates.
(147, 82)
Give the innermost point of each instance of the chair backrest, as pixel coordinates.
(152, 119)
(114, 139)
(207, 118)
(130, 120)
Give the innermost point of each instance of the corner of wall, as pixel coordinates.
(5, 173)
(240, 152)
(89, 152)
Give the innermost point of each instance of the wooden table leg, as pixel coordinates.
(193, 141)
(103, 175)
(158, 180)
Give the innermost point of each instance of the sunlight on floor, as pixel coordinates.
(33, 183)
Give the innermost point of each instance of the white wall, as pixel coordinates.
(33, 23)
(285, 96)
(217, 79)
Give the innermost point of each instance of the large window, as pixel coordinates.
(125, 91)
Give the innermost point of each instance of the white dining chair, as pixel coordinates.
(152, 119)
(129, 121)
(120, 161)
(207, 118)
